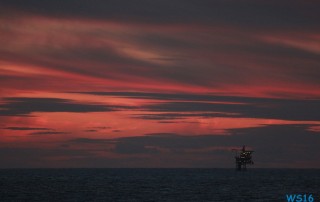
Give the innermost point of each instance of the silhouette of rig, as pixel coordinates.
(243, 157)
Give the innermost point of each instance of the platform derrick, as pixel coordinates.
(243, 157)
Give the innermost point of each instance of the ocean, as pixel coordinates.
(157, 184)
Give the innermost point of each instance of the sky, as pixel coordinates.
(159, 84)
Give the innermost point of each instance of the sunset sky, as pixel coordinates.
(159, 83)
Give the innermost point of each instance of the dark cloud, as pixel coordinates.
(49, 133)
(282, 144)
(134, 148)
(180, 106)
(22, 106)
(168, 122)
(26, 128)
(299, 110)
(101, 127)
(172, 142)
(273, 145)
(27, 157)
(89, 141)
(190, 97)
(242, 13)
(96, 129)
(91, 130)
(173, 116)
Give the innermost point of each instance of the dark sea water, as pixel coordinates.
(156, 184)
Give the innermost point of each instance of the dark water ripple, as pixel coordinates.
(156, 184)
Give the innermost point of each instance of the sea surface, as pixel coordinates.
(157, 184)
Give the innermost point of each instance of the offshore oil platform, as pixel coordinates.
(243, 157)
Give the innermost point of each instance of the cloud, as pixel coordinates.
(228, 53)
(202, 50)
(287, 145)
(97, 128)
(280, 146)
(169, 142)
(210, 97)
(91, 130)
(275, 146)
(179, 106)
(49, 133)
(28, 157)
(298, 110)
(89, 141)
(275, 13)
(23, 106)
(174, 116)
